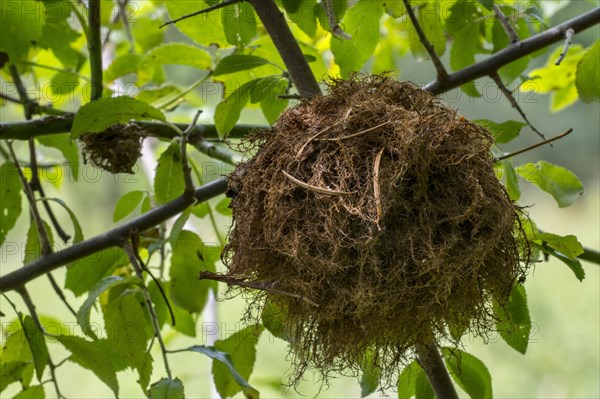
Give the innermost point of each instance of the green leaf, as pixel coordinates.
(489, 4)
(33, 248)
(145, 33)
(466, 44)
(225, 359)
(83, 314)
(273, 319)
(513, 321)
(99, 115)
(205, 29)
(10, 198)
(423, 389)
(58, 34)
(172, 53)
(502, 132)
(407, 382)
(21, 27)
(184, 322)
(168, 180)
(127, 325)
(122, 65)
(238, 62)
(508, 73)
(511, 181)
(573, 264)
(66, 146)
(557, 181)
(469, 373)
(33, 392)
(63, 83)
(77, 232)
(179, 224)
(127, 204)
(10, 372)
(187, 261)
(83, 274)
(302, 13)
(37, 345)
(272, 106)
(587, 79)
(239, 23)
(362, 23)
(143, 365)
(241, 348)
(94, 356)
(228, 111)
(16, 349)
(568, 245)
(167, 389)
(371, 374)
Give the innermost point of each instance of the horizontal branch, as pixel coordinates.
(513, 52)
(590, 255)
(110, 238)
(62, 124)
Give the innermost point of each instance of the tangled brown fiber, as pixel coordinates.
(380, 205)
(116, 149)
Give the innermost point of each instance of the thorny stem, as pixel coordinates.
(432, 363)
(95, 48)
(133, 259)
(437, 63)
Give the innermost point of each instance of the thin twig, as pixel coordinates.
(222, 4)
(568, 40)
(133, 259)
(376, 188)
(510, 31)
(316, 189)
(536, 145)
(10, 99)
(36, 320)
(509, 96)
(35, 214)
(28, 105)
(187, 171)
(442, 74)
(95, 48)
(332, 20)
(257, 285)
(60, 293)
(357, 134)
(123, 15)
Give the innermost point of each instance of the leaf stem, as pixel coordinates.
(568, 40)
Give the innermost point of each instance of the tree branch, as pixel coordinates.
(287, 46)
(432, 363)
(110, 238)
(536, 145)
(95, 48)
(590, 255)
(514, 52)
(62, 124)
(439, 67)
(568, 40)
